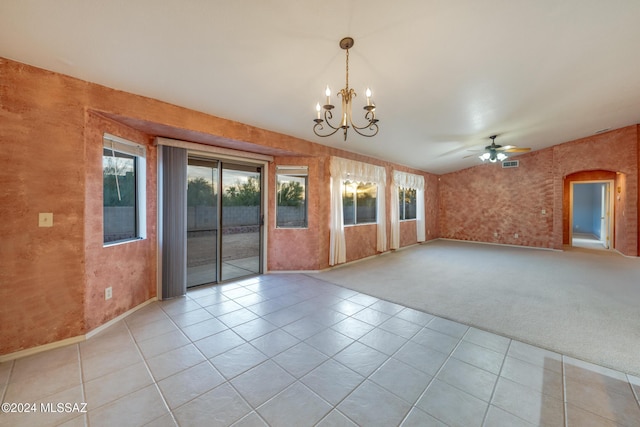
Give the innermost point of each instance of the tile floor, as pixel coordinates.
(291, 350)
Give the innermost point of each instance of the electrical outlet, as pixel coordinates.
(108, 293)
(543, 212)
(45, 219)
(495, 234)
(515, 235)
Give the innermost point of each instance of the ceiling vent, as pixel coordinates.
(510, 164)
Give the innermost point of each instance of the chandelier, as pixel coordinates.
(370, 128)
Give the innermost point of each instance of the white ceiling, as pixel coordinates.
(445, 74)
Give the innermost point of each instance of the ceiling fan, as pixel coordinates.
(495, 152)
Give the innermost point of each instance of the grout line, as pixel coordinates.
(433, 378)
(633, 390)
(82, 388)
(565, 403)
(155, 383)
(495, 385)
(6, 385)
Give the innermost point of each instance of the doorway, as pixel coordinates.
(591, 219)
(224, 220)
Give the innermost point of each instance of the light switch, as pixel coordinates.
(45, 219)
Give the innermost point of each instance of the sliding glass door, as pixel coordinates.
(224, 221)
(241, 220)
(203, 184)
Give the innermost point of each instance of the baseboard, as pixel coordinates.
(626, 256)
(39, 349)
(501, 244)
(73, 340)
(115, 320)
(402, 248)
(293, 271)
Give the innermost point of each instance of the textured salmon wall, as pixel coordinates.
(299, 248)
(361, 241)
(431, 206)
(41, 170)
(129, 268)
(621, 227)
(487, 203)
(408, 234)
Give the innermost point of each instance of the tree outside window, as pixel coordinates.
(359, 202)
(291, 209)
(408, 204)
(123, 178)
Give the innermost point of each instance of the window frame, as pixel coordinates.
(136, 151)
(358, 184)
(402, 212)
(293, 172)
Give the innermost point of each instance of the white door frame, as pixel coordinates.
(221, 154)
(608, 219)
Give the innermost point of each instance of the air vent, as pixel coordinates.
(510, 164)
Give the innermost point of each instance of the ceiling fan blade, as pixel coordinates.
(470, 155)
(517, 150)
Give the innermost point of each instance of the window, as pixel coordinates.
(408, 204)
(291, 209)
(359, 202)
(124, 196)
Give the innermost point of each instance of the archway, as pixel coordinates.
(584, 177)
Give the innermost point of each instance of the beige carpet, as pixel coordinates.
(581, 303)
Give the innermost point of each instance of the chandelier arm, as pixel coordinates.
(373, 127)
(370, 116)
(328, 115)
(318, 126)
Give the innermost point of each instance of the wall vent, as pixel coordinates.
(510, 164)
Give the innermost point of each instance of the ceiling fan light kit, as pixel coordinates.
(325, 114)
(495, 152)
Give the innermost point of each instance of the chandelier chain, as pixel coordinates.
(347, 70)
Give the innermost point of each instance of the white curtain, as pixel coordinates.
(406, 180)
(342, 170)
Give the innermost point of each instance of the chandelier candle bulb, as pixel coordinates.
(318, 109)
(368, 93)
(327, 92)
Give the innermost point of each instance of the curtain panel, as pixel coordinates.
(407, 180)
(342, 170)
(174, 221)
